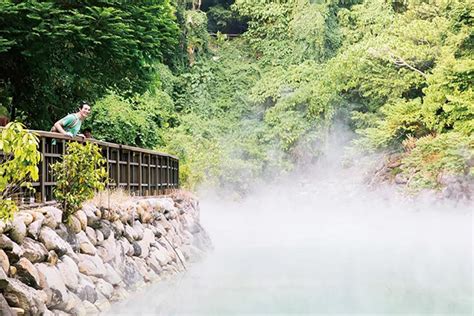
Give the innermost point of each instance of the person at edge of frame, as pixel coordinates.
(70, 125)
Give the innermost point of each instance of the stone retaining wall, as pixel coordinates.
(49, 268)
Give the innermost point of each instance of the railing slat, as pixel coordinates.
(157, 172)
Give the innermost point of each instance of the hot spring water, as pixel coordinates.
(326, 245)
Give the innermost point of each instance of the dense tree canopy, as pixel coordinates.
(399, 73)
(56, 53)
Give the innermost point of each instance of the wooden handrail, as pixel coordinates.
(140, 171)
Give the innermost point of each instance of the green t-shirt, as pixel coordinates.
(72, 124)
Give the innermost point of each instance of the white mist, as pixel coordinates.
(321, 243)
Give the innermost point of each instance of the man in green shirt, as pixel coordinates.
(71, 124)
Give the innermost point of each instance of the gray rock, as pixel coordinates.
(105, 288)
(131, 274)
(52, 241)
(18, 230)
(137, 250)
(18, 311)
(54, 280)
(82, 217)
(154, 264)
(127, 247)
(34, 251)
(120, 294)
(112, 276)
(73, 304)
(15, 253)
(69, 273)
(119, 227)
(100, 237)
(90, 308)
(25, 217)
(52, 216)
(90, 233)
(401, 178)
(27, 273)
(3, 227)
(130, 234)
(88, 248)
(3, 279)
(35, 227)
(86, 289)
(91, 265)
(161, 255)
(20, 295)
(5, 310)
(5, 243)
(103, 305)
(143, 269)
(57, 312)
(110, 245)
(4, 261)
(138, 227)
(53, 257)
(75, 224)
(85, 245)
(105, 229)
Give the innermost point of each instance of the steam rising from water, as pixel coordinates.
(322, 243)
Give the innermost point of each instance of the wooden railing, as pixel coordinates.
(139, 171)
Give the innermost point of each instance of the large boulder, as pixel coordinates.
(34, 251)
(90, 233)
(35, 227)
(91, 265)
(15, 253)
(90, 308)
(27, 273)
(18, 230)
(20, 295)
(26, 217)
(5, 242)
(5, 310)
(85, 245)
(52, 241)
(86, 289)
(131, 274)
(55, 282)
(130, 233)
(4, 261)
(69, 273)
(112, 276)
(82, 217)
(104, 287)
(52, 216)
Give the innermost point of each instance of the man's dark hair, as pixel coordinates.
(82, 103)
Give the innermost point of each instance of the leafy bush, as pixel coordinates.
(432, 156)
(135, 121)
(19, 164)
(78, 176)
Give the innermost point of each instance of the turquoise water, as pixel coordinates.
(328, 249)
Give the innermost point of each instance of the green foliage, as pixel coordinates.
(290, 32)
(432, 156)
(78, 176)
(195, 30)
(135, 121)
(406, 74)
(19, 165)
(56, 53)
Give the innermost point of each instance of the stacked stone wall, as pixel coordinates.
(100, 256)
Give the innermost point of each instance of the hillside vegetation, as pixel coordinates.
(399, 73)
